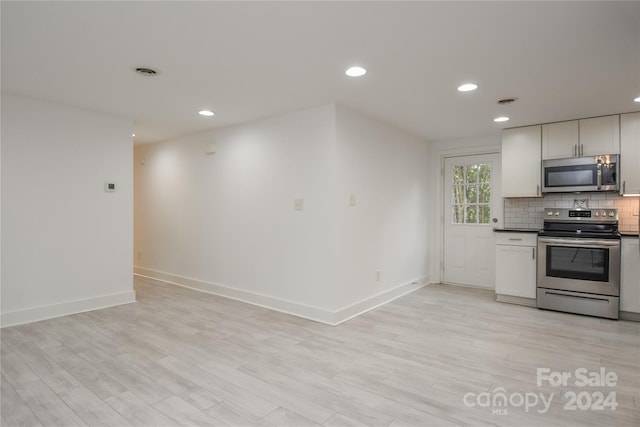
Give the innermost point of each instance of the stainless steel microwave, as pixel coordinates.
(577, 174)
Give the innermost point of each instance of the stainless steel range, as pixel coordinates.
(579, 262)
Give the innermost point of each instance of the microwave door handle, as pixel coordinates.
(599, 174)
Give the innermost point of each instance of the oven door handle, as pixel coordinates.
(580, 242)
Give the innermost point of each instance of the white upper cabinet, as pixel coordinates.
(600, 135)
(521, 162)
(578, 138)
(560, 140)
(630, 153)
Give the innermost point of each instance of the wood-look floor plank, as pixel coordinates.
(91, 377)
(248, 400)
(174, 383)
(134, 380)
(284, 418)
(183, 413)
(47, 405)
(46, 368)
(231, 415)
(93, 410)
(13, 410)
(287, 399)
(138, 412)
(13, 367)
(180, 357)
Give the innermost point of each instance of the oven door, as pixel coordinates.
(579, 264)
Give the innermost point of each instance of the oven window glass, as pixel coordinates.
(578, 263)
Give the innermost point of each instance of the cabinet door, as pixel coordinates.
(630, 153)
(630, 277)
(521, 162)
(516, 271)
(600, 135)
(560, 140)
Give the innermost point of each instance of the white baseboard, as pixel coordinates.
(530, 302)
(378, 300)
(35, 314)
(317, 314)
(462, 285)
(629, 315)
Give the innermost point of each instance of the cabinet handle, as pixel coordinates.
(533, 253)
(581, 150)
(624, 187)
(575, 150)
(515, 240)
(538, 190)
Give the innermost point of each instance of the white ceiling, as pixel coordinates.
(248, 60)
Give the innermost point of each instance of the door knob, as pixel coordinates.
(495, 220)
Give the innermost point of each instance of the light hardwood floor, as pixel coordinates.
(180, 357)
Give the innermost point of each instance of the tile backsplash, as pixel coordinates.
(527, 212)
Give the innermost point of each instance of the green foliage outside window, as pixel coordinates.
(471, 194)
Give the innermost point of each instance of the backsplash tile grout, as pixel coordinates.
(527, 212)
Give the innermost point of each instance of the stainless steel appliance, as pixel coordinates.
(576, 174)
(579, 262)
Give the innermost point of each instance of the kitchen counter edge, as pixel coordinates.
(516, 230)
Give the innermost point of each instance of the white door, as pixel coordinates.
(472, 208)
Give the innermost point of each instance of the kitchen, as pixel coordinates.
(564, 176)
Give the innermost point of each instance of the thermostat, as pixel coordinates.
(110, 186)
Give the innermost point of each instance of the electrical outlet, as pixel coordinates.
(298, 204)
(580, 203)
(352, 199)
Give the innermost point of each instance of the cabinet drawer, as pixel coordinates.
(516, 239)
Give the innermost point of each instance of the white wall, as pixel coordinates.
(386, 231)
(225, 222)
(66, 244)
(228, 218)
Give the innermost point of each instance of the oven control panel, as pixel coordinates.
(580, 214)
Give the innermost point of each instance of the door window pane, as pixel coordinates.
(471, 194)
(485, 193)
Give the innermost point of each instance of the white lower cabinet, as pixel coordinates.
(630, 277)
(516, 267)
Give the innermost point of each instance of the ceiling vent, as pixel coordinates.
(506, 101)
(143, 71)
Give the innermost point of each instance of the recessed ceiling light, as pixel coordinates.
(467, 87)
(133, 134)
(501, 119)
(207, 113)
(355, 71)
(637, 99)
